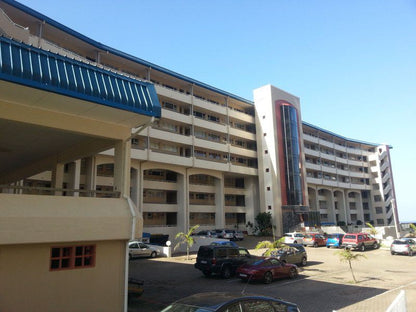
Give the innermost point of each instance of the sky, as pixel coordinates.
(352, 63)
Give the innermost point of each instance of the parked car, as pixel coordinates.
(238, 235)
(206, 233)
(405, 246)
(225, 233)
(360, 241)
(266, 270)
(224, 243)
(293, 238)
(227, 302)
(291, 253)
(223, 260)
(334, 240)
(140, 249)
(314, 239)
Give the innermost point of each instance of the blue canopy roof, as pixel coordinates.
(33, 67)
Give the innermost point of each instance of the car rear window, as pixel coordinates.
(400, 242)
(349, 236)
(205, 252)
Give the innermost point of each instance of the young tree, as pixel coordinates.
(345, 255)
(186, 238)
(271, 246)
(373, 230)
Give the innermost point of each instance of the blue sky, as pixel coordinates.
(352, 63)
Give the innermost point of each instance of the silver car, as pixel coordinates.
(139, 249)
(405, 246)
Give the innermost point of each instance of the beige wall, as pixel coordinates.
(26, 284)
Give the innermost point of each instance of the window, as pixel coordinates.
(72, 257)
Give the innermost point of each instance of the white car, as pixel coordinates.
(293, 238)
(140, 249)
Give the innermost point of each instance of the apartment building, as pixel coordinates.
(214, 158)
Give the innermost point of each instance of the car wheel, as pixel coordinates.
(376, 246)
(268, 277)
(130, 257)
(315, 245)
(293, 273)
(304, 261)
(410, 253)
(393, 253)
(226, 272)
(207, 273)
(153, 254)
(328, 246)
(295, 242)
(362, 247)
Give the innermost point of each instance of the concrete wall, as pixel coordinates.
(27, 284)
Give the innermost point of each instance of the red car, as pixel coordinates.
(266, 270)
(314, 239)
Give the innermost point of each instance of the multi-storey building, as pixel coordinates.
(210, 158)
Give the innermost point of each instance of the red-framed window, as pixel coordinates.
(72, 257)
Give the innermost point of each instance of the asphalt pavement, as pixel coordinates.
(324, 284)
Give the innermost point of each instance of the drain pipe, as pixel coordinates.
(126, 265)
(140, 128)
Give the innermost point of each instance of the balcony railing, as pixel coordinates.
(37, 190)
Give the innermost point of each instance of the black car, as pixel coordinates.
(224, 260)
(291, 253)
(223, 302)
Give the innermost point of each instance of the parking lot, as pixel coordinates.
(325, 284)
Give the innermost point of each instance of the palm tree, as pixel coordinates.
(271, 246)
(346, 255)
(186, 238)
(373, 230)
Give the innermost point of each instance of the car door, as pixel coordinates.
(134, 249)
(143, 250)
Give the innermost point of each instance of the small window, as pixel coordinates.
(72, 257)
(268, 188)
(266, 151)
(267, 169)
(264, 134)
(269, 207)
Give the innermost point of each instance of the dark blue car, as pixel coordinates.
(334, 240)
(222, 302)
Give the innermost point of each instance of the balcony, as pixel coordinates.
(171, 93)
(241, 116)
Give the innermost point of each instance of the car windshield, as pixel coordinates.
(308, 236)
(180, 307)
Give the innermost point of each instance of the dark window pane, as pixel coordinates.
(55, 252)
(55, 264)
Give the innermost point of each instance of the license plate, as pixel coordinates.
(203, 262)
(243, 275)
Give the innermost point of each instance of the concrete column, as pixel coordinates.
(135, 178)
(331, 209)
(122, 151)
(360, 210)
(74, 177)
(219, 204)
(91, 175)
(183, 203)
(58, 178)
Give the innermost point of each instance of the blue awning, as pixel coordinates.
(33, 67)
